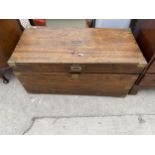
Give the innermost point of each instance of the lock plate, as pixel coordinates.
(76, 68)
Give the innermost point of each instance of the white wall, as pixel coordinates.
(113, 23)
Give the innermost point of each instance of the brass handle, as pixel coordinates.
(76, 68)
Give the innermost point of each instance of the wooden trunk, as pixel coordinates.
(144, 32)
(77, 61)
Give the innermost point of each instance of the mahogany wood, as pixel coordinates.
(144, 33)
(10, 32)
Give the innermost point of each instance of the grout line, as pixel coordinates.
(76, 116)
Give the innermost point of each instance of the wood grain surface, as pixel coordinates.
(148, 81)
(78, 61)
(86, 84)
(49, 45)
(85, 68)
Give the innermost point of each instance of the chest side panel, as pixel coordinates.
(97, 84)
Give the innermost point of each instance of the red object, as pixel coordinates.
(88, 22)
(40, 22)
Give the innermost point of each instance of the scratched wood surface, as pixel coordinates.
(69, 45)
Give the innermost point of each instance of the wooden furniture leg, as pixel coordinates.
(134, 90)
(2, 74)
